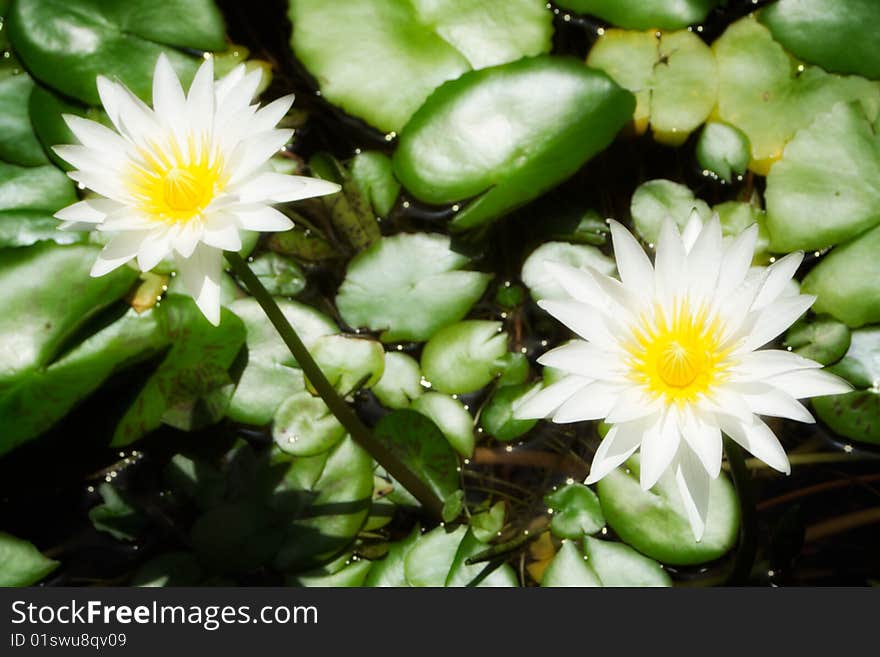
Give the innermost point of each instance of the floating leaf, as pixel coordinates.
(644, 14)
(29, 196)
(462, 574)
(408, 286)
(543, 285)
(838, 35)
(655, 522)
(507, 134)
(279, 275)
(389, 571)
(762, 92)
(21, 564)
(349, 209)
(304, 426)
(428, 562)
(380, 59)
(576, 511)
(352, 574)
(497, 418)
(618, 564)
(374, 176)
(18, 143)
(116, 516)
(824, 339)
(723, 150)
(656, 200)
(464, 357)
(488, 524)
(401, 381)
(66, 44)
(672, 75)
(451, 418)
(569, 568)
(349, 363)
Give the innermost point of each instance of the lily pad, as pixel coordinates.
(618, 564)
(408, 286)
(656, 200)
(672, 74)
(824, 339)
(838, 35)
(825, 188)
(487, 524)
(845, 281)
(349, 363)
(29, 196)
(655, 522)
(723, 150)
(21, 564)
(428, 562)
(569, 568)
(763, 93)
(576, 511)
(543, 285)
(497, 417)
(279, 275)
(18, 143)
(66, 44)
(304, 426)
(451, 418)
(462, 574)
(401, 381)
(464, 357)
(389, 571)
(644, 14)
(507, 134)
(380, 59)
(116, 516)
(352, 574)
(373, 174)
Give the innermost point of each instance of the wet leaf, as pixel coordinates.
(487, 524)
(389, 571)
(349, 209)
(428, 562)
(656, 200)
(29, 196)
(302, 243)
(351, 575)
(304, 426)
(497, 417)
(823, 339)
(655, 522)
(723, 150)
(66, 44)
(279, 275)
(462, 574)
(374, 176)
(349, 363)
(618, 564)
(576, 511)
(644, 14)
(838, 35)
(451, 418)
(116, 516)
(401, 381)
(380, 59)
(569, 568)
(408, 286)
(18, 143)
(543, 285)
(464, 357)
(21, 564)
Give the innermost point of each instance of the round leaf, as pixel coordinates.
(304, 426)
(543, 285)
(824, 340)
(349, 363)
(464, 357)
(656, 200)
(723, 150)
(569, 568)
(617, 564)
(451, 418)
(576, 511)
(497, 417)
(644, 14)
(401, 381)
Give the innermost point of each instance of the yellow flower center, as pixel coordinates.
(174, 185)
(678, 357)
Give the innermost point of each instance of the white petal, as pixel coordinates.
(584, 320)
(127, 112)
(201, 277)
(633, 404)
(774, 319)
(261, 218)
(694, 486)
(810, 383)
(169, 100)
(281, 188)
(200, 99)
(692, 230)
(659, 446)
(704, 438)
(269, 116)
(223, 235)
(765, 399)
(727, 400)
(670, 261)
(224, 85)
(579, 284)
(778, 279)
(544, 402)
(634, 266)
(186, 241)
(126, 219)
(90, 211)
(704, 261)
(154, 247)
(737, 260)
(118, 251)
(591, 402)
(96, 136)
(255, 151)
(107, 185)
(584, 358)
(757, 438)
(758, 365)
(617, 446)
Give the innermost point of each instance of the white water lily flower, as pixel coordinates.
(183, 177)
(668, 357)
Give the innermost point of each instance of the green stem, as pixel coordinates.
(337, 405)
(748, 536)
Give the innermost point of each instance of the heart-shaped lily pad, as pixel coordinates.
(497, 418)
(723, 150)
(656, 200)
(823, 339)
(401, 381)
(373, 174)
(21, 564)
(576, 511)
(543, 284)
(451, 418)
(304, 426)
(380, 59)
(408, 287)
(507, 134)
(29, 196)
(18, 143)
(644, 14)
(464, 357)
(349, 363)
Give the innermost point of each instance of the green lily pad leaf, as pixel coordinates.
(271, 374)
(569, 568)
(644, 14)
(18, 143)
(515, 369)
(845, 281)
(617, 564)
(487, 524)
(497, 417)
(576, 511)
(462, 574)
(46, 294)
(672, 74)
(655, 200)
(389, 571)
(723, 150)
(192, 386)
(21, 564)
(116, 516)
(237, 537)
(736, 216)
(352, 573)
(169, 569)
(401, 381)
(543, 285)
(417, 441)
(304, 426)
(349, 209)
(812, 30)
(464, 357)
(824, 190)
(451, 418)
(25, 411)
(655, 522)
(823, 339)
(861, 364)
(452, 506)
(380, 59)
(66, 44)
(279, 275)
(29, 196)
(329, 509)
(374, 176)
(507, 134)
(46, 110)
(408, 287)
(428, 562)
(763, 93)
(348, 363)
(302, 243)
